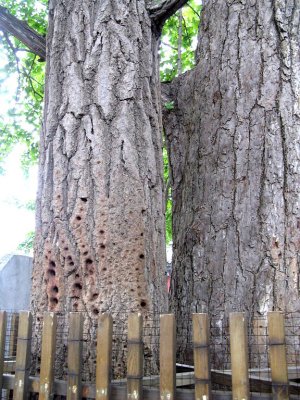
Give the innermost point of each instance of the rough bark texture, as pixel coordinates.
(234, 142)
(100, 213)
(160, 11)
(12, 25)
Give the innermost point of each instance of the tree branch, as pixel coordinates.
(20, 30)
(160, 11)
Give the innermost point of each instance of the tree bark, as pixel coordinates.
(233, 138)
(161, 10)
(100, 207)
(12, 25)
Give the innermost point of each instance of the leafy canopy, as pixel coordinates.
(170, 40)
(22, 78)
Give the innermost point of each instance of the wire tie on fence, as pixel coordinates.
(202, 380)
(280, 384)
(200, 346)
(135, 341)
(271, 343)
(134, 377)
(72, 373)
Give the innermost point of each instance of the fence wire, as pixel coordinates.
(259, 363)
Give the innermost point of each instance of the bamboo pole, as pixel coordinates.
(74, 356)
(135, 357)
(23, 356)
(3, 320)
(277, 353)
(48, 356)
(12, 347)
(104, 354)
(239, 356)
(201, 356)
(167, 357)
(13, 334)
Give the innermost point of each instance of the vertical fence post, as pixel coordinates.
(167, 354)
(239, 356)
(201, 356)
(277, 352)
(12, 345)
(47, 356)
(23, 356)
(135, 357)
(13, 334)
(2, 344)
(74, 356)
(104, 354)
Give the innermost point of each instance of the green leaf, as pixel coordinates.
(27, 245)
(169, 105)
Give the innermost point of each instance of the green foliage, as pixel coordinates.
(168, 202)
(28, 205)
(168, 198)
(22, 83)
(27, 245)
(169, 41)
(169, 105)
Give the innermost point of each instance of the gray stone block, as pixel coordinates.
(15, 282)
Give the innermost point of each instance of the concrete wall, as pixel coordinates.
(15, 283)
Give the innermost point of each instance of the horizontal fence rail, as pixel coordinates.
(199, 380)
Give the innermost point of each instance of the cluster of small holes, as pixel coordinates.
(51, 270)
(51, 273)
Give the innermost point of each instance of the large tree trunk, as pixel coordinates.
(100, 213)
(234, 143)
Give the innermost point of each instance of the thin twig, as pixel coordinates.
(192, 8)
(186, 31)
(12, 47)
(179, 43)
(169, 45)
